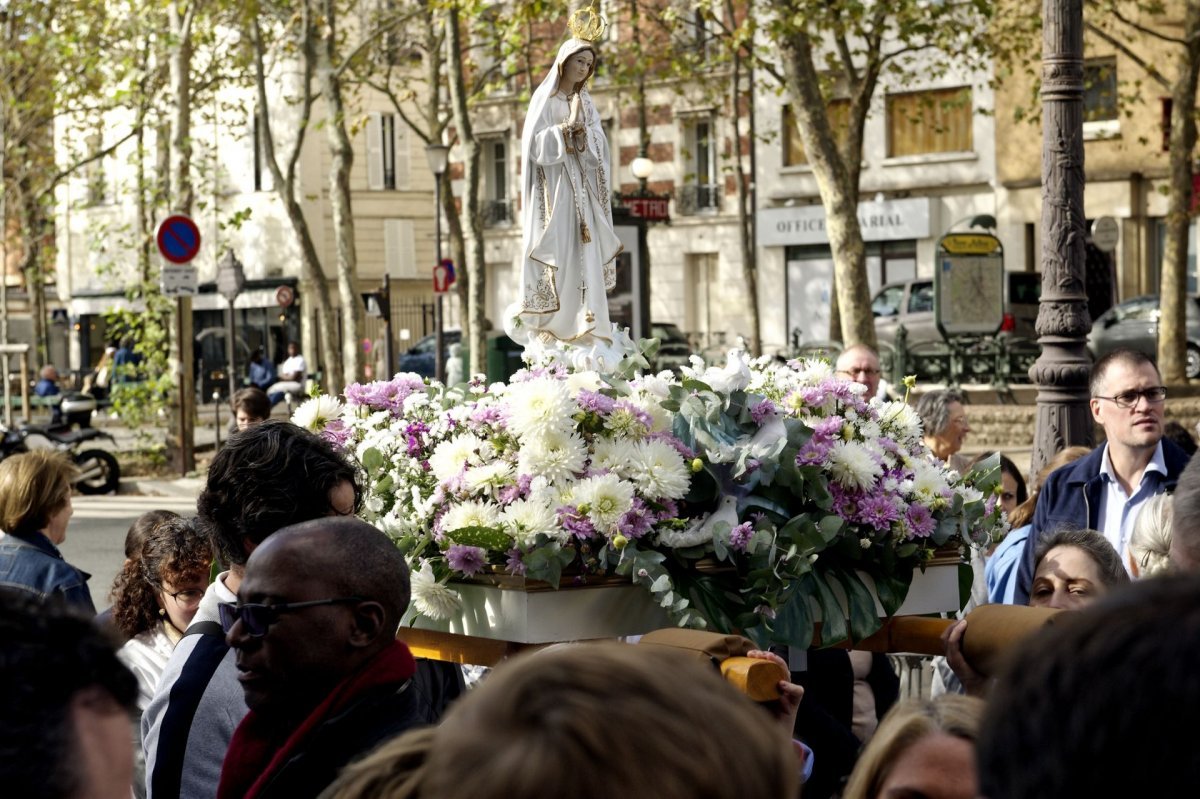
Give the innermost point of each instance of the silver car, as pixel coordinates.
(1133, 324)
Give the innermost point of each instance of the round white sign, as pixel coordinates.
(1106, 233)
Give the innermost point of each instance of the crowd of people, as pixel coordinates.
(281, 674)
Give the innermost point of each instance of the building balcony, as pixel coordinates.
(497, 213)
(698, 198)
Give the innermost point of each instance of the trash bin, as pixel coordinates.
(503, 357)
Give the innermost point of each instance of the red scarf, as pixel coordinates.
(254, 753)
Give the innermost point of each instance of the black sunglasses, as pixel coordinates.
(257, 618)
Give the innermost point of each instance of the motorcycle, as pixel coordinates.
(99, 472)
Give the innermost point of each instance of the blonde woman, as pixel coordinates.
(1150, 542)
(923, 747)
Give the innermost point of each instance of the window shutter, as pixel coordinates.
(374, 153)
(399, 249)
(403, 140)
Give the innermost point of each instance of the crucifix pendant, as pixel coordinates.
(588, 316)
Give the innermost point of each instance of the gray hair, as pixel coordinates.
(1150, 542)
(934, 409)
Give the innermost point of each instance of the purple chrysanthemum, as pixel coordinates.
(739, 537)
(595, 402)
(575, 523)
(514, 564)
(762, 411)
(637, 521)
(465, 559)
(878, 511)
(920, 521)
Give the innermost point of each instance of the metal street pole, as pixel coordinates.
(439, 346)
(1062, 370)
(389, 355)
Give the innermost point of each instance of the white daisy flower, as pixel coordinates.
(614, 454)
(449, 457)
(525, 519)
(928, 480)
(556, 455)
(431, 598)
(659, 471)
(899, 421)
(583, 381)
(489, 477)
(313, 414)
(852, 465)
(606, 497)
(471, 513)
(537, 407)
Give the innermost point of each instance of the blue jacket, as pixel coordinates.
(1071, 498)
(34, 565)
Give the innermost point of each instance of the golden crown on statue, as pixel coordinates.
(587, 24)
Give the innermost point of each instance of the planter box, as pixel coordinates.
(531, 612)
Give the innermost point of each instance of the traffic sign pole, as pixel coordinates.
(179, 241)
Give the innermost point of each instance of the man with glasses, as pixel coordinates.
(326, 681)
(859, 363)
(1105, 489)
(267, 477)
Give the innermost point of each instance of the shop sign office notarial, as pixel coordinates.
(889, 220)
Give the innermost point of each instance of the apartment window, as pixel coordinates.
(1100, 90)
(497, 206)
(387, 153)
(700, 191)
(399, 249)
(793, 148)
(922, 123)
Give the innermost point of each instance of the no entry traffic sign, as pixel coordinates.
(178, 239)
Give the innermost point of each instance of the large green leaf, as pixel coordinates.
(833, 622)
(793, 622)
(892, 590)
(966, 577)
(864, 619)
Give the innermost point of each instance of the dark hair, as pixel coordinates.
(266, 477)
(171, 551)
(142, 526)
(1100, 368)
(1100, 686)
(1185, 515)
(1009, 468)
(48, 654)
(253, 401)
(1178, 434)
(1093, 544)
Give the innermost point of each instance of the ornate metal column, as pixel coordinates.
(1061, 372)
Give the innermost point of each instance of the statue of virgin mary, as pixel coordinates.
(569, 248)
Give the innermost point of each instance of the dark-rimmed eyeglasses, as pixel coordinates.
(1128, 399)
(258, 618)
(857, 372)
(188, 597)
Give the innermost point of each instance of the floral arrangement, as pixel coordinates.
(740, 496)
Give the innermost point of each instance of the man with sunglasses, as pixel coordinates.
(267, 477)
(314, 631)
(1105, 490)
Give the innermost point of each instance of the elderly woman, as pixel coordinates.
(944, 420)
(922, 748)
(35, 506)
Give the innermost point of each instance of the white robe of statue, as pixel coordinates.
(570, 249)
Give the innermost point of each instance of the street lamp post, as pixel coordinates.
(437, 155)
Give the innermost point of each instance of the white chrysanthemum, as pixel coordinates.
(525, 519)
(431, 598)
(313, 414)
(852, 465)
(661, 419)
(899, 421)
(928, 479)
(614, 454)
(606, 497)
(472, 513)
(659, 470)
(449, 457)
(538, 407)
(869, 430)
(658, 385)
(585, 380)
(555, 455)
(489, 477)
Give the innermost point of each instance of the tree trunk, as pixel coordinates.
(312, 276)
(342, 153)
(745, 212)
(1172, 339)
(182, 441)
(475, 322)
(838, 195)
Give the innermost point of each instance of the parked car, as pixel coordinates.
(1133, 324)
(673, 346)
(910, 303)
(420, 357)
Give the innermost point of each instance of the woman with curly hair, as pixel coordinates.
(157, 593)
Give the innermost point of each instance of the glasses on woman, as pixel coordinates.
(258, 618)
